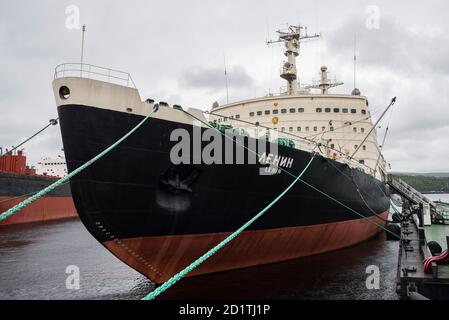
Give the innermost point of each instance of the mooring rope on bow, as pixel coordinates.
(292, 175)
(24, 195)
(65, 179)
(166, 285)
(53, 122)
(177, 277)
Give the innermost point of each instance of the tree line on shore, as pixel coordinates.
(427, 184)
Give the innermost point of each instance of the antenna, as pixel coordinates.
(355, 59)
(226, 79)
(291, 38)
(82, 48)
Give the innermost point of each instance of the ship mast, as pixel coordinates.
(325, 83)
(292, 39)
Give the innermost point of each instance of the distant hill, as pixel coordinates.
(428, 182)
(436, 174)
(430, 174)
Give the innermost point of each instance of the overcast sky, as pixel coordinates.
(175, 51)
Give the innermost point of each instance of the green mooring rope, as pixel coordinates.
(23, 195)
(65, 179)
(292, 175)
(170, 282)
(52, 123)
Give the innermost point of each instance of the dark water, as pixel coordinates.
(34, 257)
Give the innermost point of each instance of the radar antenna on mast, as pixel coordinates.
(292, 38)
(325, 83)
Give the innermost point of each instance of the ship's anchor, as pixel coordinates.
(179, 179)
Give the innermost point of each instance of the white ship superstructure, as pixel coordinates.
(338, 126)
(52, 166)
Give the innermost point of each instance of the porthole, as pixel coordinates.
(64, 93)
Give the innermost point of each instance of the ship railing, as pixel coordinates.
(90, 71)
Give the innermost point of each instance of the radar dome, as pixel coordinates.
(355, 92)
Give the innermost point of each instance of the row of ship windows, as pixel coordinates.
(54, 164)
(300, 110)
(293, 110)
(315, 129)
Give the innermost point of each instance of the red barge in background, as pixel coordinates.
(18, 181)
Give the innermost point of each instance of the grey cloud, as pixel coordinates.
(395, 46)
(407, 57)
(213, 78)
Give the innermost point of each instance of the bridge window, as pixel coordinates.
(283, 110)
(362, 161)
(364, 148)
(353, 111)
(282, 129)
(290, 129)
(344, 110)
(300, 109)
(363, 111)
(356, 146)
(319, 110)
(292, 110)
(307, 129)
(332, 146)
(327, 110)
(267, 112)
(251, 114)
(355, 129)
(275, 111)
(237, 116)
(336, 110)
(315, 129)
(362, 129)
(331, 128)
(323, 128)
(259, 113)
(298, 129)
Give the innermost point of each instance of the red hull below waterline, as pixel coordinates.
(43, 209)
(159, 258)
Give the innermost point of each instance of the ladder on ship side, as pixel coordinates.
(415, 197)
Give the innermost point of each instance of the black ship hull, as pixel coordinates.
(158, 217)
